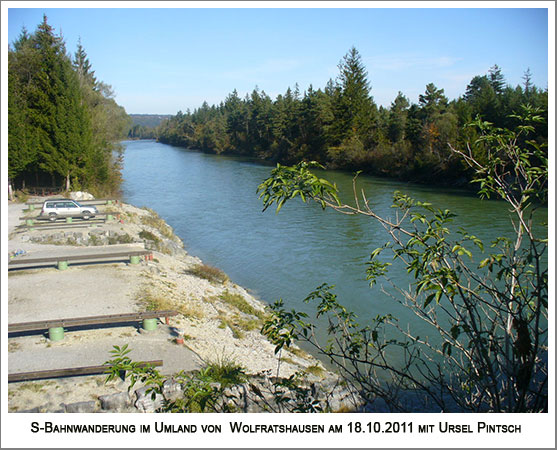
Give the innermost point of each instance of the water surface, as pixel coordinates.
(212, 204)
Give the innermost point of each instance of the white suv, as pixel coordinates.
(67, 208)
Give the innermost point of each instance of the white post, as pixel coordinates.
(10, 190)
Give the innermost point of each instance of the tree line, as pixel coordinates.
(342, 127)
(144, 125)
(63, 124)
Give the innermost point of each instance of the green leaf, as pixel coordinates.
(429, 299)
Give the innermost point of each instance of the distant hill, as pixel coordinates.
(148, 120)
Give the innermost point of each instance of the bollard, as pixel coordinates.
(68, 220)
(62, 265)
(134, 259)
(109, 202)
(150, 324)
(56, 334)
(109, 218)
(29, 222)
(31, 207)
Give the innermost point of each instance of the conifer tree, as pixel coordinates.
(62, 122)
(353, 104)
(496, 79)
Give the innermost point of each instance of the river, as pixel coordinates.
(212, 204)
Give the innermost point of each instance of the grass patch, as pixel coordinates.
(299, 352)
(13, 347)
(35, 387)
(144, 234)
(238, 325)
(225, 322)
(94, 240)
(153, 220)
(51, 241)
(315, 370)
(18, 273)
(154, 302)
(210, 273)
(120, 239)
(240, 303)
(191, 311)
(226, 372)
(249, 324)
(21, 196)
(288, 360)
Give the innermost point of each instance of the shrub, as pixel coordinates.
(226, 371)
(212, 274)
(144, 234)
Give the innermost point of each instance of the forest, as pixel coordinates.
(144, 125)
(64, 125)
(341, 127)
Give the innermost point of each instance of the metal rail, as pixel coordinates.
(70, 372)
(92, 320)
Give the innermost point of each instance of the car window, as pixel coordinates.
(49, 205)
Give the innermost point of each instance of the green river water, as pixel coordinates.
(212, 204)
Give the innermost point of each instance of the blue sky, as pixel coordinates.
(161, 60)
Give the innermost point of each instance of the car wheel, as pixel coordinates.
(52, 217)
(86, 215)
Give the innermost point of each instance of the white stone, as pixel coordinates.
(81, 196)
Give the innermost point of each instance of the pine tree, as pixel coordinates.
(527, 77)
(68, 138)
(496, 79)
(23, 139)
(353, 106)
(82, 67)
(433, 101)
(62, 122)
(397, 118)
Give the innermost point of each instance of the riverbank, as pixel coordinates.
(219, 320)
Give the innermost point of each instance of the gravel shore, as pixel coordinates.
(212, 313)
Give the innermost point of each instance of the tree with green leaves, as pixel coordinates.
(63, 123)
(527, 77)
(353, 106)
(341, 127)
(58, 109)
(397, 118)
(485, 307)
(496, 79)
